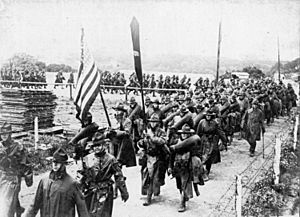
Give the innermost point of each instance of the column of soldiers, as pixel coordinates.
(23, 76)
(149, 81)
(180, 136)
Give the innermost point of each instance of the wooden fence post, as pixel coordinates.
(238, 196)
(36, 132)
(276, 164)
(296, 132)
(126, 94)
(71, 97)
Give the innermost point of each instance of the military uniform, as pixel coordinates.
(14, 164)
(210, 132)
(155, 159)
(185, 164)
(253, 123)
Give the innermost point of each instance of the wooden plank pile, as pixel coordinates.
(19, 107)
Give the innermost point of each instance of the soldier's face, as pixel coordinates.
(155, 105)
(56, 166)
(153, 124)
(5, 136)
(208, 117)
(184, 136)
(119, 116)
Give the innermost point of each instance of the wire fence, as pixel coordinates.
(225, 206)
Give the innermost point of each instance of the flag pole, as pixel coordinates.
(104, 105)
(218, 54)
(134, 26)
(278, 58)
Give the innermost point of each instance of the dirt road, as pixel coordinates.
(217, 195)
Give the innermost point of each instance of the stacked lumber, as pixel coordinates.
(19, 107)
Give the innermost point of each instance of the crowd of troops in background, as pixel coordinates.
(116, 79)
(179, 134)
(149, 81)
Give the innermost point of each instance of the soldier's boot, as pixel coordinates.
(182, 206)
(148, 200)
(205, 177)
(240, 135)
(230, 140)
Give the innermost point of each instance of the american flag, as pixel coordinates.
(88, 83)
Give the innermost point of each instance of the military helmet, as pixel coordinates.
(154, 118)
(120, 107)
(184, 109)
(156, 101)
(210, 112)
(186, 129)
(132, 100)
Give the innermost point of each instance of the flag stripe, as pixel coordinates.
(77, 97)
(86, 84)
(90, 97)
(86, 65)
(89, 85)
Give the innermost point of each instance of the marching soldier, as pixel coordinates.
(98, 183)
(210, 132)
(86, 133)
(244, 105)
(58, 194)
(14, 164)
(185, 165)
(135, 115)
(156, 155)
(253, 123)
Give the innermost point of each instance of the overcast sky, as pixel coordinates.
(50, 30)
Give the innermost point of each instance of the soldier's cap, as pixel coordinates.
(223, 98)
(5, 129)
(188, 98)
(184, 109)
(132, 100)
(210, 113)
(156, 101)
(120, 107)
(181, 98)
(59, 156)
(208, 92)
(175, 105)
(154, 118)
(186, 129)
(201, 96)
(199, 106)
